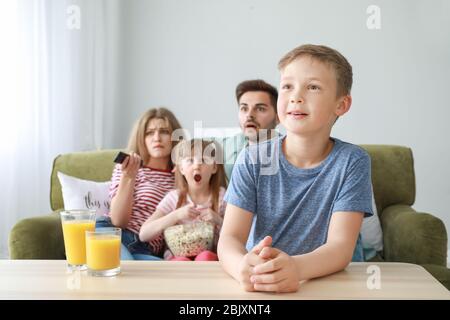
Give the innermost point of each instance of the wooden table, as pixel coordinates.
(41, 279)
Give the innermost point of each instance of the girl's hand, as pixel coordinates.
(187, 212)
(209, 215)
(131, 165)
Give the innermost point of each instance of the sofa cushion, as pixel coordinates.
(371, 234)
(91, 165)
(85, 194)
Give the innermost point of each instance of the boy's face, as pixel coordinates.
(307, 101)
(256, 112)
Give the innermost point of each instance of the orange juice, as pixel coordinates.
(75, 239)
(103, 251)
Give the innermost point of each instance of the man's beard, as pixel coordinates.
(259, 134)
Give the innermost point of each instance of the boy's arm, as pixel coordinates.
(231, 249)
(282, 272)
(337, 252)
(233, 237)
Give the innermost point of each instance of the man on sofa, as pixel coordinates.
(257, 111)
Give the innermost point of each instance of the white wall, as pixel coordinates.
(189, 56)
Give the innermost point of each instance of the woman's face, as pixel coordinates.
(158, 140)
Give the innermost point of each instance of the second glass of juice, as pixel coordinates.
(103, 251)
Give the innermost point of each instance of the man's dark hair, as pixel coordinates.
(257, 85)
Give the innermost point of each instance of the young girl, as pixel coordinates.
(201, 183)
(135, 191)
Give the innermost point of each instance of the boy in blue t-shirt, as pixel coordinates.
(307, 192)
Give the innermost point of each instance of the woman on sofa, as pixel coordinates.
(141, 182)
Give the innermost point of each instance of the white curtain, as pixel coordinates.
(52, 78)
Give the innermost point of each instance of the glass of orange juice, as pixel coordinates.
(75, 223)
(103, 251)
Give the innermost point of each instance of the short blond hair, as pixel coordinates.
(136, 142)
(329, 56)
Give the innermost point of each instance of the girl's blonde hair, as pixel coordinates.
(186, 148)
(136, 143)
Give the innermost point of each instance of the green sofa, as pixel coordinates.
(408, 236)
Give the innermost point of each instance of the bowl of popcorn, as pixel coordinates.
(188, 240)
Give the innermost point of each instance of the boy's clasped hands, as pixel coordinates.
(266, 268)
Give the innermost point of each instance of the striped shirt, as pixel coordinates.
(169, 204)
(150, 188)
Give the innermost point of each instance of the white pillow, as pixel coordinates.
(85, 194)
(371, 233)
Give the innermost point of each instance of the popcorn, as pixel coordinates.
(188, 240)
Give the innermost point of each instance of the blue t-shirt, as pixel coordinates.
(294, 205)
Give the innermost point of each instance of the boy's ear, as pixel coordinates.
(344, 105)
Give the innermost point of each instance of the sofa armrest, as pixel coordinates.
(37, 238)
(413, 237)
(441, 273)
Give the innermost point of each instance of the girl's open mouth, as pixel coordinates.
(197, 177)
